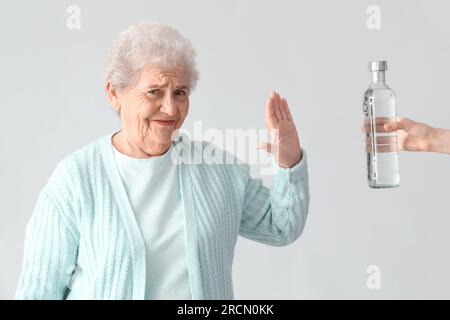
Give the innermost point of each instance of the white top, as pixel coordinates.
(154, 194)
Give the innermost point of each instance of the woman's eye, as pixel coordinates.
(180, 93)
(154, 91)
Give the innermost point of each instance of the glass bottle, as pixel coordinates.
(381, 146)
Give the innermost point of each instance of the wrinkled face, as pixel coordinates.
(159, 94)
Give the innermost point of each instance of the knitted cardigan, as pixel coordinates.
(83, 241)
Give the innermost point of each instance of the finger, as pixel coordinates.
(378, 120)
(285, 108)
(281, 107)
(382, 148)
(378, 124)
(265, 146)
(404, 123)
(382, 140)
(391, 126)
(288, 112)
(399, 123)
(377, 128)
(278, 106)
(271, 118)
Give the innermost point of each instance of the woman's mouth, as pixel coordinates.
(164, 122)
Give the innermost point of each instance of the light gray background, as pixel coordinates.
(315, 53)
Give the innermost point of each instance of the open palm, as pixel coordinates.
(285, 144)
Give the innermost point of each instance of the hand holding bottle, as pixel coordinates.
(417, 136)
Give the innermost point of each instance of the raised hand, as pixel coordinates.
(285, 144)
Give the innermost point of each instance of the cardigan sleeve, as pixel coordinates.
(277, 216)
(49, 254)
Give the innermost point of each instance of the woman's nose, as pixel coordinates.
(169, 106)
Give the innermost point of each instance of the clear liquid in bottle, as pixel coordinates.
(381, 146)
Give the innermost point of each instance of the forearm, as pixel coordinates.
(289, 197)
(277, 216)
(440, 141)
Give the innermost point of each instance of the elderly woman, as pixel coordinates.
(120, 219)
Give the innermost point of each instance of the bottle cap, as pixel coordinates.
(377, 66)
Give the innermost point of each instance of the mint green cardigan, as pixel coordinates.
(83, 242)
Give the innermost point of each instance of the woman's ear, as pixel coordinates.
(112, 96)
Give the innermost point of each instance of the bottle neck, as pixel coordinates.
(378, 77)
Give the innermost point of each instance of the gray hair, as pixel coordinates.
(149, 43)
